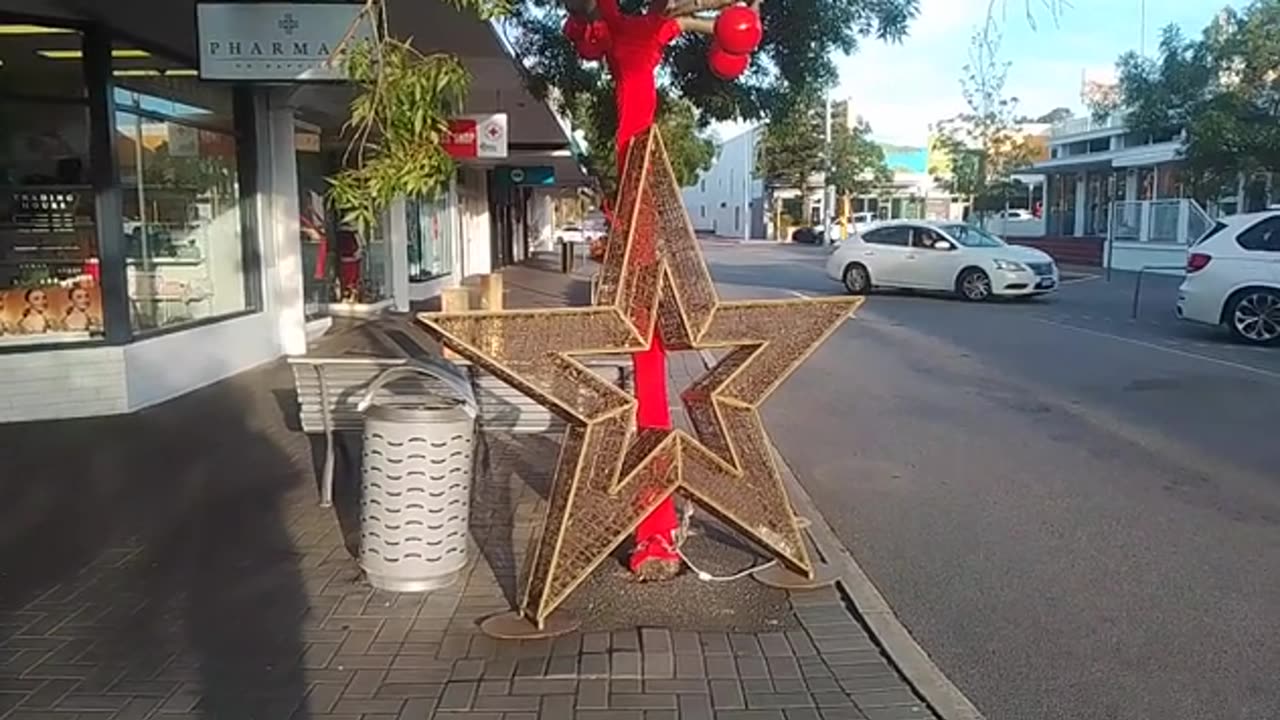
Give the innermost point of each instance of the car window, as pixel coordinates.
(900, 236)
(1263, 237)
(923, 237)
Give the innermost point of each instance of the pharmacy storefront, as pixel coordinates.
(154, 204)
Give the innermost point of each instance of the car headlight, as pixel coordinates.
(1010, 266)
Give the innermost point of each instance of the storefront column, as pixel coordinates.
(1082, 206)
(278, 207)
(397, 248)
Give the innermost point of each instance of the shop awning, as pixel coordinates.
(537, 135)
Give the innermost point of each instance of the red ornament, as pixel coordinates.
(575, 28)
(595, 41)
(738, 30)
(727, 65)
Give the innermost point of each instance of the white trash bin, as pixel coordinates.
(415, 490)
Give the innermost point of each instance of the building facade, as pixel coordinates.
(160, 231)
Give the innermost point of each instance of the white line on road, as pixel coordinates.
(798, 294)
(1164, 348)
(1081, 279)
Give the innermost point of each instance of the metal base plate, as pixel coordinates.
(514, 626)
(777, 576)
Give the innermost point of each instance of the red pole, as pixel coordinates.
(635, 44)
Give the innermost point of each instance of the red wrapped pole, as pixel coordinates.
(633, 47)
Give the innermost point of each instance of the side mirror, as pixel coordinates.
(943, 245)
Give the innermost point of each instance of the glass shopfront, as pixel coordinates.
(173, 245)
(431, 238)
(49, 257)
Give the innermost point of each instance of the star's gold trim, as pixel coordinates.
(609, 476)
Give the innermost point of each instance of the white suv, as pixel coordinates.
(1233, 278)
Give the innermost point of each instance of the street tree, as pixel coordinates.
(858, 164)
(979, 150)
(791, 155)
(1220, 93)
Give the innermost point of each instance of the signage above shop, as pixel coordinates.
(538, 175)
(478, 137)
(283, 42)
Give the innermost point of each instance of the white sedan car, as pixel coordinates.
(949, 256)
(1233, 278)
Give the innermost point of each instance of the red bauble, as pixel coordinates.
(575, 28)
(738, 30)
(595, 41)
(727, 65)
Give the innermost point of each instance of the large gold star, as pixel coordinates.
(609, 477)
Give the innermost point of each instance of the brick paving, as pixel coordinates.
(174, 564)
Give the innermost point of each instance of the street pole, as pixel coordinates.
(826, 177)
(747, 166)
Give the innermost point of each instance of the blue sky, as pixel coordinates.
(901, 88)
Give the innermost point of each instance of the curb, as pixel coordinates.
(882, 623)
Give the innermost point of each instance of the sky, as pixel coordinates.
(901, 88)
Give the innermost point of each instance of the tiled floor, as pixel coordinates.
(175, 564)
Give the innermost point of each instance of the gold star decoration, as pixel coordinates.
(609, 475)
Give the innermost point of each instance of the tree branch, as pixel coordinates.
(683, 8)
(704, 26)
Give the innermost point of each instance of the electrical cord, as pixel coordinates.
(686, 515)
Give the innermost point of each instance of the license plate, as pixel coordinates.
(1046, 284)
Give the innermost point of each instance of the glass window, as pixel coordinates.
(1262, 237)
(181, 198)
(48, 234)
(430, 238)
(889, 236)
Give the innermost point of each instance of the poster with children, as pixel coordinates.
(66, 308)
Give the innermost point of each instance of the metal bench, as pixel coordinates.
(331, 390)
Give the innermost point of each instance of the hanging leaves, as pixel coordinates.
(399, 117)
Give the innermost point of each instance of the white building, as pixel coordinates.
(1115, 197)
(729, 195)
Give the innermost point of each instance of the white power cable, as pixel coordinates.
(682, 533)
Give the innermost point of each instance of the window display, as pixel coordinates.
(181, 198)
(430, 225)
(48, 232)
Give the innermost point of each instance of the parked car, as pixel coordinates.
(577, 234)
(939, 255)
(1233, 278)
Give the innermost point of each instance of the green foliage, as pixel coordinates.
(978, 150)
(857, 162)
(1220, 92)
(399, 117)
(791, 150)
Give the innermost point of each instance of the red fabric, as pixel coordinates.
(637, 44)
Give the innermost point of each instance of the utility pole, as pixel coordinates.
(748, 167)
(1142, 28)
(826, 177)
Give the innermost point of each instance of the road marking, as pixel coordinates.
(798, 294)
(1164, 348)
(1081, 279)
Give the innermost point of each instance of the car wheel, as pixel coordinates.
(1254, 317)
(974, 285)
(857, 280)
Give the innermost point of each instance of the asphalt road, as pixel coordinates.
(1076, 514)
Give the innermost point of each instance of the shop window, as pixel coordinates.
(48, 235)
(180, 184)
(430, 224)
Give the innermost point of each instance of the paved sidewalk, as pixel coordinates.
(174, 564)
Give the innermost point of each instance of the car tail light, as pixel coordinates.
(1197, 262)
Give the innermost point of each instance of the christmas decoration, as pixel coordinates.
(612, 476)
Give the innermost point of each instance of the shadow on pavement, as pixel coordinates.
(146, 560)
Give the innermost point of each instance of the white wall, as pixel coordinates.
(722, 190)
(56, 384)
